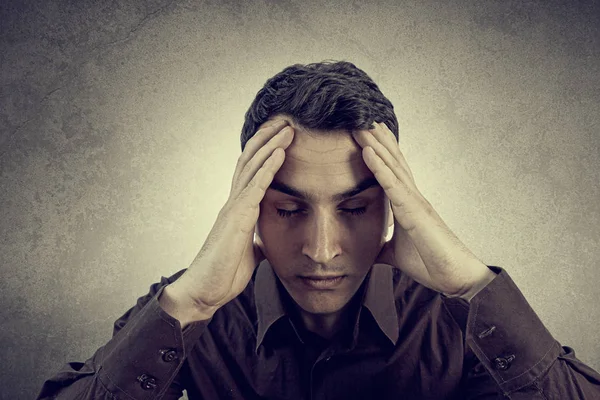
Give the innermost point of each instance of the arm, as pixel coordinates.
(142, 360)
(152, 340)
(511, 352)
(521, 358)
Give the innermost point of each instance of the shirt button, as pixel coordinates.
(503, 363)
(147, 382)
(169, 355)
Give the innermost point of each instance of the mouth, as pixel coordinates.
(322, 282)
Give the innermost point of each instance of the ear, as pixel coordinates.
(258, 246)
(390, 219)
(390, 223)
(256, 238)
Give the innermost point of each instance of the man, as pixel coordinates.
(333, 310)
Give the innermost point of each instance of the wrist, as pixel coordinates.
(483, 279)
(182, 308)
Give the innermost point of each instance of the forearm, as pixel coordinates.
(516, 350)
(142, 359)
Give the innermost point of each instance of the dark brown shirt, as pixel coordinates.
(404, 341)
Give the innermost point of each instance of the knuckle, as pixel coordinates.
(397, 164)
(262, 130)
(401, 204)
(253, 139)
(247, 212)
(409, 191)
(251, 185)
(244, 197)
(242, 159)
(250, 165)
(257, 137)
(269, 175)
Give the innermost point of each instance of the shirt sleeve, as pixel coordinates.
(514, 355)
(141, 361)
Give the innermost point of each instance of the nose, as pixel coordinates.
(322, 239)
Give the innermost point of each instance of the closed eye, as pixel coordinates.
(287, 213)
(355, 211)
(352, 211)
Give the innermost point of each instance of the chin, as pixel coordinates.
(320, 303)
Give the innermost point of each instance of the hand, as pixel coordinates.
(225, 264)
(422, 244)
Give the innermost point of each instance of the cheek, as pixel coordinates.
(368, 232)
(262, 224)
(269, 229)
(376, 222)
(368, 235)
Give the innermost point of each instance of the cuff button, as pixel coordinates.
(503, 363)
(169, 355)
(147, 382)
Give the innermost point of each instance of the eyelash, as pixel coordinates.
(351, 211)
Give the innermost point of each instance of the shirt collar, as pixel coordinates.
(269, 306)
(378, 299)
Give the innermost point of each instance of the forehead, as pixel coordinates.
(322, 163)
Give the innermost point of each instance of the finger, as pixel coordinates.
(251, 196)
(387, 138)
(262, 136)
(367, 139)
(399, 192)
(255, 143)
(282, 139)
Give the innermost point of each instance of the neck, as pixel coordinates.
(327, 325)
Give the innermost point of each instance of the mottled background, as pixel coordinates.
(120, 125)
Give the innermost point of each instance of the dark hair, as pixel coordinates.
(326, 96)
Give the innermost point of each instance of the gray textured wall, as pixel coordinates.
(120, 130)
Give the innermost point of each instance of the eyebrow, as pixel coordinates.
(300, 194)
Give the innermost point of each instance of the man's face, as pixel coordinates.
(315, 221)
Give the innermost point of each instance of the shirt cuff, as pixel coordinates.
(144, 357)
(507, 336)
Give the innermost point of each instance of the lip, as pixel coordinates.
(322, 282)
